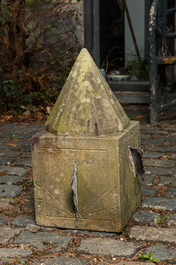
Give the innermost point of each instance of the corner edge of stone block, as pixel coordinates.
(36, 138)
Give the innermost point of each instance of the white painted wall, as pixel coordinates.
(136, 10)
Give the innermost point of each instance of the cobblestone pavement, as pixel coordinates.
(151, 229)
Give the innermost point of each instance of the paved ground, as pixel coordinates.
(151, 229)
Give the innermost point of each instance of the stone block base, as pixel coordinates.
(107, 190)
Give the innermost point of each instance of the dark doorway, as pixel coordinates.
(111, 34)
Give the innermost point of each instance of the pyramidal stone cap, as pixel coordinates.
(86, 105)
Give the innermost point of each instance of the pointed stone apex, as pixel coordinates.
(86, 105)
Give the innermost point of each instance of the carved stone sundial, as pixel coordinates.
(81, 168)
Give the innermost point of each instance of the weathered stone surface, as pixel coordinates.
(33, 228)
(25, 162)
(5, 203)
(94, 157)
(171, 193)
(89, 127)
(167, 181)
(2, 168)
(10, 190)
(152, 234)
(25, 136)
(145, 137)
(5, 147)
(6, 233)
(37, 240)
(29, 205)
(24, 146)
(134, 108)
(107, 247)
(61, 260)
(17, 133)
(159, 140)
(126, 263)
(11, 260)
(15, 130)
(23, 221)
(146, 217)
(9, 153)
(160, 203)
(168, 149)
(169, 127)
(172, 156)
(160, 171)
(148, 180)
(134, 111)
(171, 220)
(3, 141)
(152, 155)
(9, 125)
(159, 163)
(8, 160)
(163, 253)
(3, 221)
(148, 191)
(6, 134)
(87, 93)
(26, 155)
(6, 179)
(172, 141)
(12, 252)
(19, 171)
(8, 156)
(29, 134)
(34, 127)
(89, 233)
(149, 129)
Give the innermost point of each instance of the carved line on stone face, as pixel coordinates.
(94, 203)
(114, 208)
(39, 206)
(66, 210)
(41, 215)
(98, 212)
(51, 149)
(57, 212)
(115, 222)
(38, 185)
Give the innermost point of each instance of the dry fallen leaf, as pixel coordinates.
(139, 117)
(48, 110)
(33, 228)
(3, 172)
(5, 118)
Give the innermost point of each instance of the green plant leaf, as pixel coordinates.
(158, 219)
(46, 243)
(165, 217)
(149, 255)
(154, 260)
(143, 256)
(20, 72)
